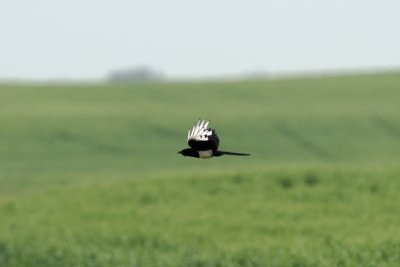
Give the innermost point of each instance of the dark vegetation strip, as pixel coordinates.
(388, 127)
(300, 141)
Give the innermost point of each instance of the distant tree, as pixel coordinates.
(135, 74)
(255, 74)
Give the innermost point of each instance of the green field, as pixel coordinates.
(90, 175)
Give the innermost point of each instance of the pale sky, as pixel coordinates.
(83, 39)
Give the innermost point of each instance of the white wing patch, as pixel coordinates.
(199, 132)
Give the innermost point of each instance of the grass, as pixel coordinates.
(89, 174)
(263, 218)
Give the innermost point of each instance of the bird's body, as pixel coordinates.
(204, 143)
(205, 154)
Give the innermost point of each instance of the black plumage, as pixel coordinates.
(204, 143)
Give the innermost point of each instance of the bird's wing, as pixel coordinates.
(201, 138)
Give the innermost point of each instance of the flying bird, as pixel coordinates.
(204, 143)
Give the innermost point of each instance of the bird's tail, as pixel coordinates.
(233, 153)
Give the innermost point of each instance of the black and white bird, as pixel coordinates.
(204, 143)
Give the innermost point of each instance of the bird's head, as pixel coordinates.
(188, 152)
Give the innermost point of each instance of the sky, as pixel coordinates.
(83, 39)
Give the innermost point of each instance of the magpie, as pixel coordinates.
(204, 143)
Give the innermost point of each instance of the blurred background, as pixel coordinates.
(190, 39)
(96, 98)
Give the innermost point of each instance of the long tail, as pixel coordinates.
(233, 153)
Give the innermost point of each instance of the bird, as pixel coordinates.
(204, 142)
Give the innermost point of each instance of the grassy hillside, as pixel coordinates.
(63, 133)
(89, 175)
